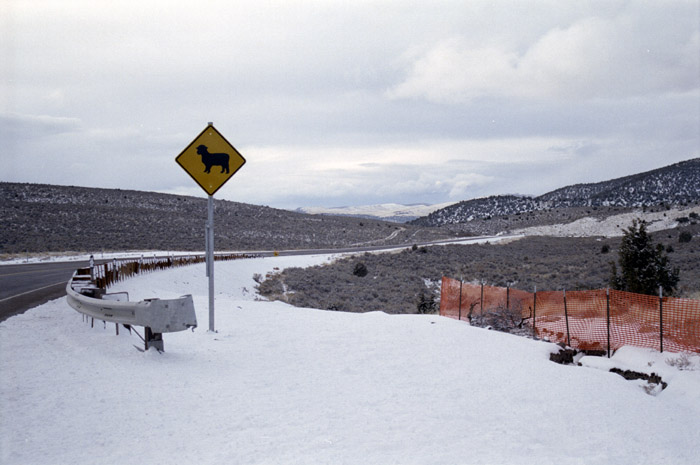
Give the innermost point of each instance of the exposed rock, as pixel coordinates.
(652, 379)
(565, 356)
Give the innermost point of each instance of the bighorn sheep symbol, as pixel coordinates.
(213, 159)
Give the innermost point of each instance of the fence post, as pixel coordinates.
(607, 311)
(481, 301)
(534, 313)
(460, 301)
(507, 296)
(566, 316)
(661, 318)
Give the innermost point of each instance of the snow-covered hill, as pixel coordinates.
(677, 184)
(46, 218)
(386, 211)
(283, 385)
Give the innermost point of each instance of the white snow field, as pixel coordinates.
(283, 385)
(612, 226)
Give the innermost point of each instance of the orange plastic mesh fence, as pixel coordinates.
(471, 299)
(449, 298)
(586, 320)
(576, 318)
(681, 322)
(494, 297)
(523, 301)
(634, 320)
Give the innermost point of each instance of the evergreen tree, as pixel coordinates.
(643, 266)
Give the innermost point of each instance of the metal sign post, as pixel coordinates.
(210, 258)
(210, 150)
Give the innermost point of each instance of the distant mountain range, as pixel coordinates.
(386, 211)
(677, 184)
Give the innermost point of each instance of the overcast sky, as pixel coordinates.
(349, 102)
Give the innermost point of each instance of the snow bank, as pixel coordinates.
(282, 385)
(612, 226)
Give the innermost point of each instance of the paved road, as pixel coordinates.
(25, 286)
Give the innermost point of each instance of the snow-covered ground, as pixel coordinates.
(612, 226)
(282, 385)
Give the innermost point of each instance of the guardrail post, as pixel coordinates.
(154, 340)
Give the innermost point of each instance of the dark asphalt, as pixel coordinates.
(25, 286)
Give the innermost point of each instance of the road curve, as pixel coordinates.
(27, 285)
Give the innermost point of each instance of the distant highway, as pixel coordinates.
(27, 285)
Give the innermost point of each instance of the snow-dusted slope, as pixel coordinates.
(43, 218)
(612, 226)
(676, 184)
(282, 385)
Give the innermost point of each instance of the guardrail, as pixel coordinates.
(117, 270)
(87, 294)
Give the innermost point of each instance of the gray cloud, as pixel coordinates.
(338, 103)
(594, 57)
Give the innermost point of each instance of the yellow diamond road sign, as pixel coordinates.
(210, 160)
